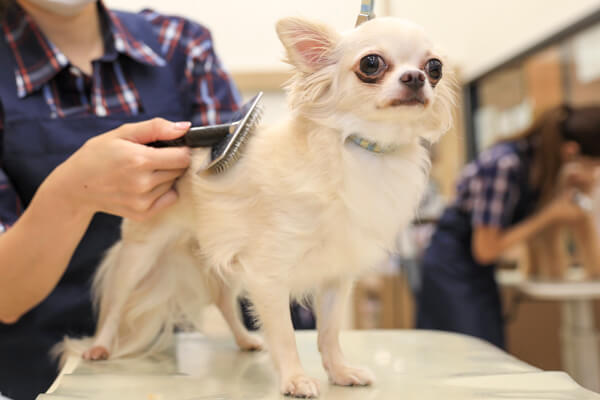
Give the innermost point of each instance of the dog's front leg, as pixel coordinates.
(330, 305)
(272, 304)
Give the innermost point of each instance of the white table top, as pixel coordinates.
(409, 365)
(574, 287)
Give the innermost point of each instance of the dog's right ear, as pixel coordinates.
(310, 46)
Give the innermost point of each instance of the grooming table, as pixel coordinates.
(579, 336)
(419, 365)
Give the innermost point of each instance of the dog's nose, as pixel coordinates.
(413, 79)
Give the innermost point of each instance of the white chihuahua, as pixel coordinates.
(311, 203)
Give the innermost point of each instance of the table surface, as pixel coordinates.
(409, 365)
(574, 287)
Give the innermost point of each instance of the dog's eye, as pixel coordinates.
(434, 69)
(371, 65)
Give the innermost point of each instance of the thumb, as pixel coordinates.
(152, 130)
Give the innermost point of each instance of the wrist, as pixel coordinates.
(62, 197)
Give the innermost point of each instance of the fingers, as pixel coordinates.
(167, 158)
(144, 206)
(151, 197)
(163, 176)
(165, 200)
(577, 174)
(152, 130)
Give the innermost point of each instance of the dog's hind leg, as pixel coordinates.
(227, 303)
(330, 304)
(272, 304)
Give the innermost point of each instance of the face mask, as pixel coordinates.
(63, 7)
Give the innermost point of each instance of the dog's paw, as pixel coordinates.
(300, 386)
(96, 353)
(344, 375)
(250, 343)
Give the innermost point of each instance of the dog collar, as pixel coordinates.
(371, 146)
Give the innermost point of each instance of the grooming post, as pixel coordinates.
(367, 8)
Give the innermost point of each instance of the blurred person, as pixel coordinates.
(508, 195)
(80, 87)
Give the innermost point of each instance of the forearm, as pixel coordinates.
(36, 251)
(113, 173)
(488, 248)
(523, 231)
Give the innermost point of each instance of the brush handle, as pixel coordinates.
(198, 136)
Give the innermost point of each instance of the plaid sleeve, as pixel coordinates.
(213, 94)
(10, 206)
(495, 192)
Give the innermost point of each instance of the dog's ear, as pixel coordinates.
(310, 46)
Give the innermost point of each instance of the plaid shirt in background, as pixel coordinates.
(488, 188)
(42, 70)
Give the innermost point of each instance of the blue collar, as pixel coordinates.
(372, 146)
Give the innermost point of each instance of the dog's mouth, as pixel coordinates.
(406, 102)
(403, 102)
(411, 101)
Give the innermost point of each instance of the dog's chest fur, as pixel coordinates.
(306, 207)
(377, 198)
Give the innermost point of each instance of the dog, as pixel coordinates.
(314, 201)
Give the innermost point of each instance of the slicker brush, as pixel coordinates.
(226, 152)
(226, 140)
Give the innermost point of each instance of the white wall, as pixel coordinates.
(479, 34)
(244, 30)
(476, 34)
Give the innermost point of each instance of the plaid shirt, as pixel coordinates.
(43, 70)
(489, 188)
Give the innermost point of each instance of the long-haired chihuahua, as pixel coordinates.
(313, 202)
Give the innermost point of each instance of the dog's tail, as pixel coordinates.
(75, 347)
(70, 347)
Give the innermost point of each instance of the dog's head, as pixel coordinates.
(383, 79)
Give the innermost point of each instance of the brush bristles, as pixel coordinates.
(235, 152)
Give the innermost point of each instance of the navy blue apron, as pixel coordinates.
(34, 144)
(457, 293)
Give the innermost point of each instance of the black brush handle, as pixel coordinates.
(198, 136)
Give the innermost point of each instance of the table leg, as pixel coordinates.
(580, 343)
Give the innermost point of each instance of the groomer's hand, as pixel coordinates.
(563, 208)
(117, 174)
(578, 174)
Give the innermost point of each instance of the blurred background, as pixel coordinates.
(514, 59)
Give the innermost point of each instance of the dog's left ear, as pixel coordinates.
(310, 46)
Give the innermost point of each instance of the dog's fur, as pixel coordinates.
(300, 215)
